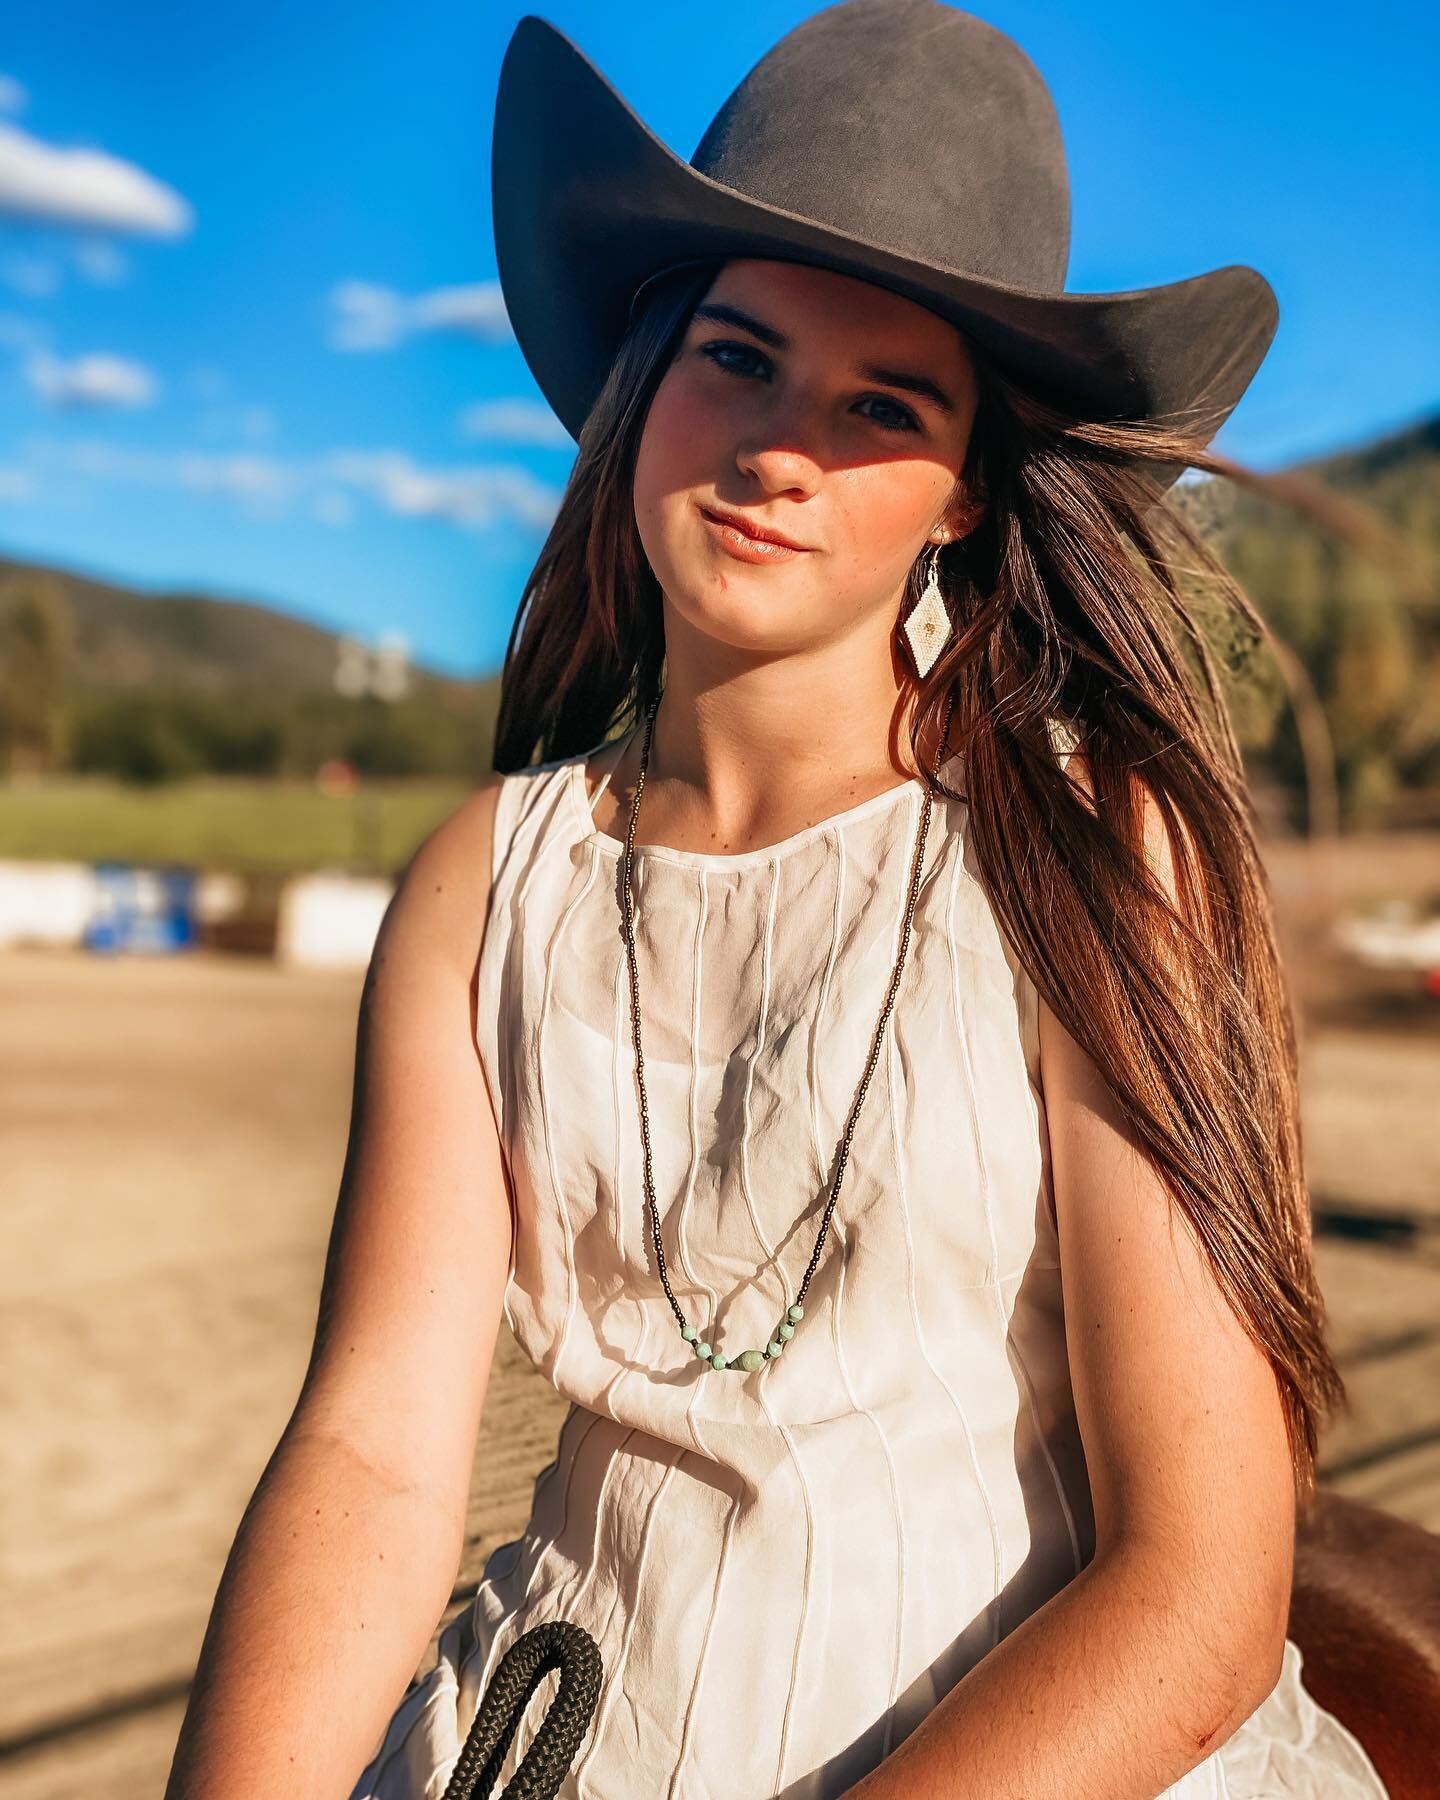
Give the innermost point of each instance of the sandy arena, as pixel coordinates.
(173, 1132)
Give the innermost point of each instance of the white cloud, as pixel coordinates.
(516, 422)
(334, 507)
(367, 316)
(239, 473)
(180, 468)
(97, 380)
(263, 487)
(21, 334)
(206, 381)
(254, 423)
(16, 484)
(34, 276)
(99, 261)
(478, 310)
(13, 97)
(86, 187)
(472, 498)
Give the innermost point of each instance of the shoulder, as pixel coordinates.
(1162, 830)
(442, 896)
(1170, 864)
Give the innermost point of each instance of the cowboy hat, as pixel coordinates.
(901, 141)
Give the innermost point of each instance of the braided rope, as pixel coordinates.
(557, 1644)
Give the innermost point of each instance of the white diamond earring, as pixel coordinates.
(927, 627)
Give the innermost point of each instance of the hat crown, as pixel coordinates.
(911, 125)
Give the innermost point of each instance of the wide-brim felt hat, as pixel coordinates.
(900, 141)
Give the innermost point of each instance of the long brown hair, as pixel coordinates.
(1086, 598)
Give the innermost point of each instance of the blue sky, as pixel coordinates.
(252, 342)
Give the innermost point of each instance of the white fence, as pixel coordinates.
(326, 920)
(330, 921)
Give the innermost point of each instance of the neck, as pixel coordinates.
(741, 755)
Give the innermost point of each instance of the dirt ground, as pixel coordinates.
(168, 1185)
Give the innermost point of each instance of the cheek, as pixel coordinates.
(678, 445)
(880, 510)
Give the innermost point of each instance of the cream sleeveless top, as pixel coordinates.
(786, 1570)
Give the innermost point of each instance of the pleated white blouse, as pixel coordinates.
(786, 1570)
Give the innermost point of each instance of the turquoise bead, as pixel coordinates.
(795, 1312)
(786, 1331)
(752, 1360)
(717, 1361)
(689, 1334)
(774, 1347)
(703, 1352)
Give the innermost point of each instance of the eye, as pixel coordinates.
(906, 420)
(714, 350)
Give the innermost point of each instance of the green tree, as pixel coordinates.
(36, 642)
(140, 737)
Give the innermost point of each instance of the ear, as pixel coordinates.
(960, 521)
(965, 517)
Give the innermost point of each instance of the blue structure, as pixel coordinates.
(141, 908)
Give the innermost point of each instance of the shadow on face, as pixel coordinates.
(816, 405)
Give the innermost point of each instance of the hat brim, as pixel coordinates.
(588, 204)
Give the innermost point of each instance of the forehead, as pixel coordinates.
(803, 297)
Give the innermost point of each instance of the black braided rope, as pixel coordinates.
(557, 1644)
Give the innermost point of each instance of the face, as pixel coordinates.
(768, 412)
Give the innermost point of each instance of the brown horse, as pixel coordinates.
(1365, 1611)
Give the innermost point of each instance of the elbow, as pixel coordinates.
(1226, 1622)
(1260, 1668)
(1247, 1651)
(1263, 1584)
(1231, 1669)
(1239, 1685)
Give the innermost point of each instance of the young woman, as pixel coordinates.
(854, 1056)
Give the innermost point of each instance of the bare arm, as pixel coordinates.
(1172, 1635)
(346, 1556)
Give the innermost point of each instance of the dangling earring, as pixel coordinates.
(927, 627)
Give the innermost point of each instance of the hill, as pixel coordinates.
(1340, 553)
(126, 639)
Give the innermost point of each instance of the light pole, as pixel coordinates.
(380, 673)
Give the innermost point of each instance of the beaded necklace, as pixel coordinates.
(748, 1361)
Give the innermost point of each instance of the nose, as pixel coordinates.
(780, 467)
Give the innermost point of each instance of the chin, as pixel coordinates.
(722, 604)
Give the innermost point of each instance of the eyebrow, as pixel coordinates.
(910, 380)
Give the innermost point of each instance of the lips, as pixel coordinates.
(759, 533)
